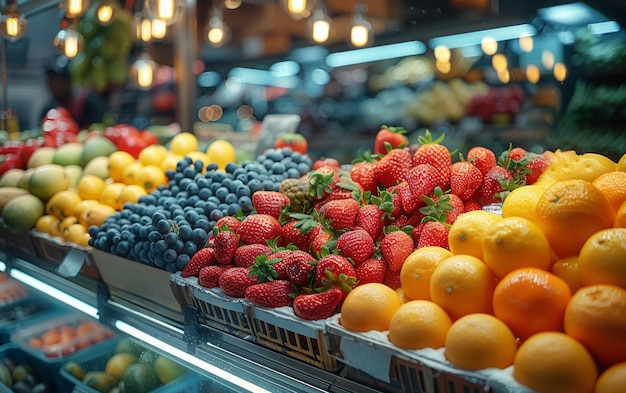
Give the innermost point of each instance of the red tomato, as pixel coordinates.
(132, 144)
(295, 141)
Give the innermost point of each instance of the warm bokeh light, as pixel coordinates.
(158, 28)
(443, 66)
(560, 72)
(499, 62)
(296, 6)
(321, 30)
(442, 53)
(165, 9)
(244, 112)
(489, 45)
(105, 13)
(547, 59)
(359, 35)
(215, 35)
(504, 76)
(231, 4)
(532, 73)
(526, 43)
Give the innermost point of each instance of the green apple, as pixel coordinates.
(98, 146)
(68, 154)
(42, 156)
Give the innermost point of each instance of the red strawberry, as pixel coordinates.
(269, 202)
(335, 271)
(203, 257)
(209, 276)
(516, 153)
(270, 294)
(226, 243)
(329, 162)
(389, 138)
(322, 182)
(341, 214)
(258, 229)
(489, 191)
(317, 306)
(470, 205)
(396, 199)
(319, 242)
(417, 232)
(392, 279)
(371, 270)
(364, 173)
(458, 208)
(245, 255)
(269, 267)
(482, 158)
(233, 282)
(371, 219)
(229, 221)
(392, 168)
(537, 164)
(395, 247)
(356, 245)
(465, 179)
(410, 202)
(434, 233)
(422, 180)
(294, 232)
(434, 153)
(300, 272)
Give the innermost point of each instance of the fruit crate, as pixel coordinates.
(373, 361)
(71, 259)
(96, 360)
(281, 330)
(217, 310)
(141, 287)
(19, 242)
(25, 312)
(43, 372)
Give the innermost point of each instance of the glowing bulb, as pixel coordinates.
(526, 43)
(499, 62)
(296, 6)
(359, 35)
(165, 9)
(560, 72)
(504, 76)
(231, 4)
(532, 73)
(71, 44)
(489, 45)
(12, 26)
(443, 66)
(442, 53)
(105, 13)
(215, 35)
(321, 30)
(158, 28)
(547, 59)
(144, 77)
(145, 30)
(74, 7)
(143, 70)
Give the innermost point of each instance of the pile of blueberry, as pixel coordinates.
(165, 228)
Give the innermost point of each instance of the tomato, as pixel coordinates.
(132, 144)
(149, 138)
(9, 161)
(120, 131)
(295, 141)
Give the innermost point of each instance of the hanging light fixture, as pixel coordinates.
(361, 30)
(105, 13)
(299, 9)
(13, 24)
(169, 11)
(158, 29)
(68, 40)
(217, 32)
(142, 71)
(142, 27)
(231, 4)
(320, 25)
(74, 8)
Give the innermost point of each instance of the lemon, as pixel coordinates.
(184, 143)
(521, 202)
(467, 231)
(118, 364)
(153, 155)
(221, 152)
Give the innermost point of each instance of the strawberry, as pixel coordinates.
(234, 281)
(470, 205)
(516, 153)
(335, 271)
(537, 164)
(356, 245)
(422, 180)
(458, 208)
(226, 243)
(258, 229)
(268, 268)
(341, 214)
(371, 270)
(392, 279)
(396, 200)
(388, 138)
(322, 182)
(482, 158)
(296, 232)
(434, 153)
(300, 271)
(230, 222)
(364, 173)
(203, 257)
(270, 294)
(417, 232)
(325, 161)
(321, 243)
(245, 255)
(317, 306)
(491, 187)
(465, 179)
(391, 169)
(371, 218)
(269, 202)
(209, 276)
(409, 201)
(395, 247)
(434, 233)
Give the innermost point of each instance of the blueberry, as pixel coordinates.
(303, 168)
(293, 173)
(296, 156)
(212, 167)
(245, 202)
(267, 164)
(231, 167)
(192, 216)
(287, 151)
(159, 261)
(232, 209)
(275, 155)
(163, 226)
(171, 238)
(178, 247)
(231, 198)
(191, 201)
(182, 260)
(198, 166)
(218, 177)
(255, 185)
(243, 190)
(184, 232)
(221, 193)
(216, 214)
(278, 168)
(189, 173)
(154, 236)
(161, 246)
(170, 255)
(175, 189)
(158, 216)
(268, 184)
(200, 234)
(190, 247)
(205, 193)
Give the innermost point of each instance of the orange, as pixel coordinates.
(51, 337)
(152, 155)
(131, 194)
(612, 379)
(466, 232)
(522, 201)
(62, 203)
(613, 186)
(602, 260)
(478, 341)
(569, 212)
(111, 195)
(75, 233)
(553, 362)
(462, 284)
(90, 187)
(419, 324)
(117, 364)
(531, 300)
(184, 143)
(567, 270)
(131, 173)
(66, 223)
(620, 217)
(513, 243)
(369, 307)
(151, 177)
(417, 269)
(621, 164)
(118, 161)
(596, 316)
(402, 295)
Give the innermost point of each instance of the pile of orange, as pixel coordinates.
(541, 288)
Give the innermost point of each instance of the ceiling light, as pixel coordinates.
(158, 28)
(69, 41)
(169, 11)
(361, 30)
(299, 9)
(442, 53)
(217, 32)
(320, 25)
(74, 8)
(142, 71)
(526, 43)
(547, 59)
(13, 24)
(489, 45)
(476, 37)
(499, 62)
(382, 52)
(231, 4)
(603, 27)
(106, 12)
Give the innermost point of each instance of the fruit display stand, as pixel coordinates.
(13, 352)
(20, 242)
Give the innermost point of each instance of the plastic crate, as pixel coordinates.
(30, 311)
(281, 330)
(64, 254)
(44, 373)
(20, 242)
(96, 360)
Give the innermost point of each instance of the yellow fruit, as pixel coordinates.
(48, 224)
(131, 173)
(118, 162)
(592, 165)
(613, 186)
(62, 204)
(522, 201)
(131, 194)
(95, 215)
(167, 370)
(151, 177)
(200, 156)
(620, 217)
(602, 259)
(47, 180)
(152, 155)
(478, 341)
(84, 205)
(111, 195)
(417, 269)
(90, 187)
(466, 232)
(75, 233)
(612, 379)
(184, 143)
(22, 212)
(569, 212)
(221, 152)
(419, 324)
(621, 164)
(513, 243)
(169, 163)
(66, 223)
(369, 307)
(117, 364)
(561, 167)
(553, 362)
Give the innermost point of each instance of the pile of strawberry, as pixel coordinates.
(362, 225)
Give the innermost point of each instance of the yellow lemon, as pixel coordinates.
(592, 165)
(170, 161)
(521, 202)
(466, 232)
(118, 162)
(184, 143)
(48, 224)
(221, 152)
(131, 194)
(150, 177)
(131, 173)
(111, 195)
(417, 269)
(152, 155)
(621, 164)
(90, 187)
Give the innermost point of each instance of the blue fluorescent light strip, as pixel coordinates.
(603, 27)
(54, 293)
(376, 53)
(167, 348)
(475, 37)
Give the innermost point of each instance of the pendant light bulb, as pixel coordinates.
(361, 30)
(74, 8)
(105, 14)
(320, 26)
(299, 9)
(217, 32)
(142, 71)
(13, 24)
(158, 29)
(169, 11)
(231, 4)
(69, 41)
